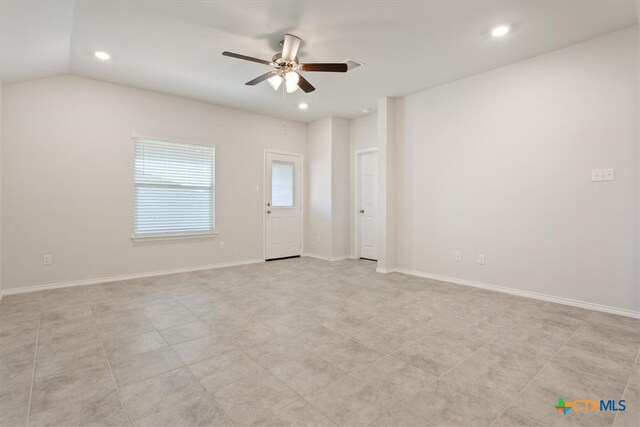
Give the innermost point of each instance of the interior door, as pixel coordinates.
(368, 204)
(283, 210)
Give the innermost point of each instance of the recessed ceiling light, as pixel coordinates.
(303, 106)
(103, 56)
(500, 31)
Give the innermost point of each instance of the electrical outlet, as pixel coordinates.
(458, 256)
(46, 259)
(481, 259)
(221, 245)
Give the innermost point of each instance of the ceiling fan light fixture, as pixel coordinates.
(275, 81)
(291, 80)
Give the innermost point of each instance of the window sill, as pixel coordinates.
(162, 237)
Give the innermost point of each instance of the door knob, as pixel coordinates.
(361, 210)
(269, 211)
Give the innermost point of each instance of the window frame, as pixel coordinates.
(173, 235)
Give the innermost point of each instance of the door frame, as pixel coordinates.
(356, 210)
(264, 198)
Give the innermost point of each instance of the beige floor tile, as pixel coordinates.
(350, 402)
(298, 413)
(171, 318)
(186, 332)
(595, 362)
(307, 374)
(634, 381)
(614, 322)
(14, 406)
(16, 370)
(437, 356)
(392, 331)
(102, 409)
(49, 364)
(217, 372)
(68, 385)
(495, 373)
(443, 403)
(398, 417)
(161, 392)
(252, 398)
(511, 418)
(348, 355)
(253, 334)
(381, 340)
(123, 325)
(631, 416)
(140, 366)
(276, 352)
(201, 411)
(123, 348)
(394, 377)
(556, 381)
(203, 348)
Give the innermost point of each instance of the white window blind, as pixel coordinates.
(282, 184)
(174, 188)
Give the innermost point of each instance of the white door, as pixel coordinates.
(283, 210)
(368, 204)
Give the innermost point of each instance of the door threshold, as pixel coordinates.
(369, 259)
(284, 257)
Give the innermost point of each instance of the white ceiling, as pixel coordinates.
(175, 46)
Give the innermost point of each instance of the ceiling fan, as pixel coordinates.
(286, 67)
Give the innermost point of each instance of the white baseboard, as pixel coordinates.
(385, 270)
(96, 281)
(521, 293)
(326, 258)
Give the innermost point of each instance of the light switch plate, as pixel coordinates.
(598, 175)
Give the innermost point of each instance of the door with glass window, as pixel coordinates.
(283, 205)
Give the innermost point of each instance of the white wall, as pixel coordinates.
(500, 163)
(68, 187)
(340, 193)
(1, 183)
(638, 147)
(318, 195)
(327, 219)
(363, 132)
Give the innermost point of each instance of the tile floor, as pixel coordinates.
(307, 342)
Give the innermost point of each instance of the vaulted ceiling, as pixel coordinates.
(175, 46)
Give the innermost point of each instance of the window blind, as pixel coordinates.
(174, 188)
(282, 184)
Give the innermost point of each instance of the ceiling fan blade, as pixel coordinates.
(305, 85)
(262, 78)
(246, 58)
(331, 68)
(290, 47)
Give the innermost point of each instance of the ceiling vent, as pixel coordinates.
(352, 63)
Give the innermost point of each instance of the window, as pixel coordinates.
(282, 184)
(174, 188)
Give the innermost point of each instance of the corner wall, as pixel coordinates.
(500, 164)
(327, 233)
